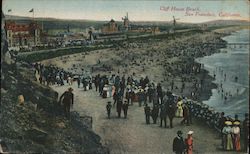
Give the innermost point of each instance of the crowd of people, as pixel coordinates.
(165, 104)
(231, 132)
(157, 103)
(127, 91)
(51, 75)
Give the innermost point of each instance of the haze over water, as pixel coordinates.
(232, 62)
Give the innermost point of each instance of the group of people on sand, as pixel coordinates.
(231, 132)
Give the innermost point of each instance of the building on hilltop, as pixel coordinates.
(110, 27)
(23, 35)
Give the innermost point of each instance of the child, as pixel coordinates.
(108, 107)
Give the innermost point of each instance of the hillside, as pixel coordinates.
(38, 125)
(53, 23)
(63, 24)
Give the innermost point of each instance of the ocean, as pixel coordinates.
(230, 68)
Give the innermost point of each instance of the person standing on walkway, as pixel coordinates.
(90, 84)
(128, 95)
(178, 143)
(221, 126)
(68, 99)
(97, 80)
(155, 113)
(159, 92)
(147, 112)
(79, 81)
(246, 132)
(185, 115)
(140, 95)
(227, 131)
(84, 83)
(119, 108)
(125, 108)
(150, 93)
(115, 97)
(163, 115)
(179, 111)
(171, 112)
(108, 107)
(236, 135)
(189, 142)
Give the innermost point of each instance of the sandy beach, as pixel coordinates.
(162, 61)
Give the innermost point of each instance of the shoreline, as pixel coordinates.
(113, 58)
(102, 125)
(217, 100)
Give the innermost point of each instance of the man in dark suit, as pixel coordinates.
(108, 107)
(155, 112)
(119, 108)
(170, 110)
(68, 99)
(147, 113)
(163, 115)
(125, 109)
(178, 143)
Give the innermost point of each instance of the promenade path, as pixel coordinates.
(132, 135)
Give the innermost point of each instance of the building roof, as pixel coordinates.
(10, 25)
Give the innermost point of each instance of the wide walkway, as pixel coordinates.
(132, 135)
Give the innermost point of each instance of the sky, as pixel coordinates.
(139, 10)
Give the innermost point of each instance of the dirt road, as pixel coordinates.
(132, 135)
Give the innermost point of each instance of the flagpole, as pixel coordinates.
(10, 13)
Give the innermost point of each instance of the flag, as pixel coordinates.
(32, 10)
(9, 10)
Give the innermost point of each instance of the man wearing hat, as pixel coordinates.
(147, 112)
(125, 108)
(155, 112)
(68, 98)
(222, 125)
(140, 96)
(178, 143)
(189, 142)
(108, 107)
(163, 115)
(119, 108)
